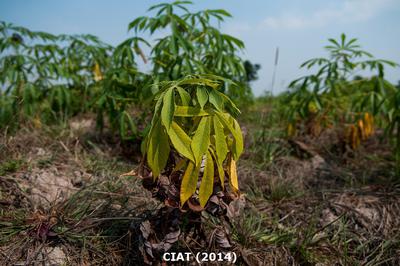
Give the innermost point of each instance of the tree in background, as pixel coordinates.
(251, 71)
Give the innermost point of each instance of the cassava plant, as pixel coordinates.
(330, 95)
(194, 131)
(192, 44)
(45, 76)
(191, 149)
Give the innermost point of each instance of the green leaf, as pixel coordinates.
(233, 109)
(167, 111)
(126, 120)
(181, 141)
(201, 139)
(216, 100)
(199, 82)
(158, 149)
(202, 96)
(185, 96)
(189, 182)
(207, 183)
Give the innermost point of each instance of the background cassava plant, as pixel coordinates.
(47, 77)
(192, 44)
(50, 78)
(335, 94)
(194, 130)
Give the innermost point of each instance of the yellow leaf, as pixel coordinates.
(362, 129)
(233, 178)
(291, 131)
(37, 123)
(189, 182)
(181, 141)
(97, 72)
(220, 168)
(201, 139)
(188, 111)
(312, 107)
(207, 183)
(369, 124)
(233, 126)
(221, 147)
(354, 137)
(238, 147)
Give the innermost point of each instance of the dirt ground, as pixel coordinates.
(64, 202)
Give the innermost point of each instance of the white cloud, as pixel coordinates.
(237, 28)
(350, 11)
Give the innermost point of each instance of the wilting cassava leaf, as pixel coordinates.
(189, 182)
(234, 128)
(220, 168)
(158, 149)
(238, 147)
(220, 141)
(189, 111)
(201, 139)
(180, 165)
(97, 72)
(202, 96)
(207, 183)
(167, 111)
(181, 141)
(233, 179)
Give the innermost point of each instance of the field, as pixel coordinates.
(102, 164)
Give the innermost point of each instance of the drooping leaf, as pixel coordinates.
(189, 182)
(158, 149)
(233, 178)
(231, 124)
(181, 141)
(167, 111)
(238, 147)
(221, 147)
(220, 168)
(207, 183)
(201, 139)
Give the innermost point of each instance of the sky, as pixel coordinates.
(300, 28)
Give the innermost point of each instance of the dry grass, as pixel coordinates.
(63, 201)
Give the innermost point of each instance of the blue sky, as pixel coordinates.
(299, 28)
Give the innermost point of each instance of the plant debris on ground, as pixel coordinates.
(64, 201)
